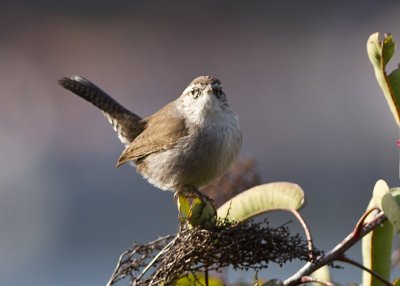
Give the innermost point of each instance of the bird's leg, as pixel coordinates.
(194, 207)
(190, 192)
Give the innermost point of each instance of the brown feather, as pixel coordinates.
(162, 131)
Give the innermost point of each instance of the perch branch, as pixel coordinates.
(337, 252)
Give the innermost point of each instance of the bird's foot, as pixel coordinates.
(190, 192)
(194, 207)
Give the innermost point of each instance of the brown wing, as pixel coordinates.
(162, 130)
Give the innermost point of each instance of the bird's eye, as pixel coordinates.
(218, 92)
(195, 92)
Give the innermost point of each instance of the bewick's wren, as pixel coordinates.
(190, 141)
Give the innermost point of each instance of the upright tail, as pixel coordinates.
(127, 124)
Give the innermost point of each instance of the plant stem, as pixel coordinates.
(337, 252)
(361, 221)
(359, 265)
(307, 232)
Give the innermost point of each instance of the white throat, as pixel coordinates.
(199, 111)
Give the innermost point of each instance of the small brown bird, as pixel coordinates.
(189, 142)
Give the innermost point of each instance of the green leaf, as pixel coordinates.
(323, 274)
(388, 47)
(376, 252)
(262, 198)
(199, 280)
(386, 201)
(391, 208)
(396, 282)
(379, 53)
(380, 190)
(183, 207)
(377, 245)
(202, 213)
(396, 194)
(196, 211)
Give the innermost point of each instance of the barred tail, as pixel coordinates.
(125, 123)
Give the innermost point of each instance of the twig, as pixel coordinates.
(165, 249)
(361, 221)
(336, 253)
(307, 232)
(124, 259)
(359, 265)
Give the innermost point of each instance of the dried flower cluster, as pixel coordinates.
(243, 246)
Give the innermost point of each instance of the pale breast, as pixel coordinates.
(197, 159)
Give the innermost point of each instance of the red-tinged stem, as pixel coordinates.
(361, 221)
(337, 252)
(359, 265)
(307, 232)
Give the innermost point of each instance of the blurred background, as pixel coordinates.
(296, 73)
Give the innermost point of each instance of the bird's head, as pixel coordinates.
(202, 99)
